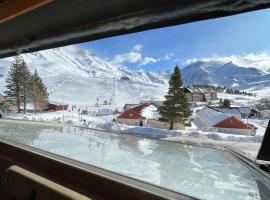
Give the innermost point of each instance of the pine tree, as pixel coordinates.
(175, 107)
(25, 84)
(13, 92)
(226, 103)
(39, 94)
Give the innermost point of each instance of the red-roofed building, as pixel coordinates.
(133, 116)
(145, 114)
(211, 119)
(57, 106)
(231, 122)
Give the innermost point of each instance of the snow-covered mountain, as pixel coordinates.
(227, 74)
(77, 76)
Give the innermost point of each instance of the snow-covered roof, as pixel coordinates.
(57, 103)
(244, 110)
(150, 112)
(212, 116)
(200, 90)
(231, 111)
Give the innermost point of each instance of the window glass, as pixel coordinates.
(188, 93)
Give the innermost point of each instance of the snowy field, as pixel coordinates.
(205, 173)
(192, 135)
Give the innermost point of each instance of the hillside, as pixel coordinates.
(77, 76)
(80, 77)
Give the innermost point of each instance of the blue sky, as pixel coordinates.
(159, 49)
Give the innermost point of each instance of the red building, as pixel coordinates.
(134, 113)
(57, 107)
(231, 122)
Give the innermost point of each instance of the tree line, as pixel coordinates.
(219, 88)
(24, 87)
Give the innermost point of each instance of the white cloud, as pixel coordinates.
(148, 60)
(260, 61)
(137, 47)
(168, 56)
(131, 57)
(134, 56)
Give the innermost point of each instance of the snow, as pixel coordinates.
(226, 74)
(150, 112)
(211, 116)
(231, 111)
(79, 77)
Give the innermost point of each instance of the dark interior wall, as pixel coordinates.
(65, 22)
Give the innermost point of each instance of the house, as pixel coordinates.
(144, 115)
(55, 106)
(197, 94)
(194, 95)
(233, 111)
(239, 112)
(255, 113)
(128, 106)
(156, 103)
(216, 121)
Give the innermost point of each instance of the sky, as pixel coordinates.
(243, 39)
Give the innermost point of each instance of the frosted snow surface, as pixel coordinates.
(150, 112)
(200, 172)
(213, 117)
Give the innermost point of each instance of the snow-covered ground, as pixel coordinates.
(240, 100)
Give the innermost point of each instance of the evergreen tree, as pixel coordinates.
(175, 107)
(39, 94)
(25, 84)
(13, 81)
(226, 103)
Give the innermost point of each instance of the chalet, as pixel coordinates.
(239, 112)
(196, 94)
(156, 103)
(128, 106)
(233, 111)
(144, 115)
(217, 121)
(55, 106)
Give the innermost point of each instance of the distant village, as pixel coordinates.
(197, 106)
(207, 112)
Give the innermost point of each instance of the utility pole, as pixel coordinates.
(114, 91)
(97, 102)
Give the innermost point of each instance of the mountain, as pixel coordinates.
(226, 74)
(77, 76)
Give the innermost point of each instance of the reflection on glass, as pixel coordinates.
(200, 172)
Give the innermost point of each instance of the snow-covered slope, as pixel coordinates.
(226, 74)
(79, 77)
